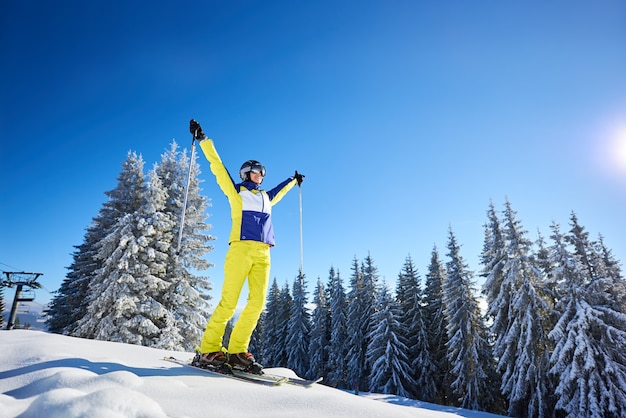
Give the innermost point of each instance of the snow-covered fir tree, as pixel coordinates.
(588, 360)
(542, 258)
(125, 303)
(160, 203)
(257, 342)
(361, 305)
(542, 255)
(273, 352)
(356, 329)
(522, 347)
(436, 328)
(607, 286)
(467, 347)
(278, 308)
(419, 377)
(228, 329)
(188, 298)
(493, 258)
(370, 282)
(320, 333)
(610, 270)
(285, 310)
(387, 350)
(70, 303)
(337, 367)
(298, 329)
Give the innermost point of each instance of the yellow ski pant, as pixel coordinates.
(244, 259)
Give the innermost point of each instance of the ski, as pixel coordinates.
(267, 379)
(304, 382)
(237, 374)
(289, 380)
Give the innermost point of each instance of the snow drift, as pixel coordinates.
(73, 377)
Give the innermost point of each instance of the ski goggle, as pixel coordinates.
(258, 169)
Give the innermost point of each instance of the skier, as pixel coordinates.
(248, 256)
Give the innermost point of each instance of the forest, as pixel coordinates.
(545, 335)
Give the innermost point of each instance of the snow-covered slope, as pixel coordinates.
(71, 377)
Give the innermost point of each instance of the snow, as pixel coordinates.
(73, 377)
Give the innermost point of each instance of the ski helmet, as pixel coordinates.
(248, 166)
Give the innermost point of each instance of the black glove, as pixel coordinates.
(299, 177)
(196, 130)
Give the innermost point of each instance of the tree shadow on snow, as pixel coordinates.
(399, 400)
(98, 368)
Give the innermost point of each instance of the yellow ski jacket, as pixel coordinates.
(250, 207)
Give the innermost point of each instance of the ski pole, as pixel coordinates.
(182, 217)
(301, 252)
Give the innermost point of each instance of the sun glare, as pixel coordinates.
(618, 150)
(609, 152)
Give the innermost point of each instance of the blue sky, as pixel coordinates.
(407, 118)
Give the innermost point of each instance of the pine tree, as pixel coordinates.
(273, 351)
(125, 303)
(281, 328)
(522, 346)
(357, 325)
(611, 271)
(156, 206)
(228, 330)
(607, 287)
(436, 328)
(369, 298)
(286, 309)
(419, 377)
(337, 374)
(188, 298)
(361, 305)
(548, 287)
(588, 360)
(258, 341)
(70, 303)
(370, 284)
(542, 256)
(387, 351)
(298, 329)
(493, 258)
(467, 348)
(319, 334)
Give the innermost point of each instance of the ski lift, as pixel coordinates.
(27, 296)
(24, 282)
(23, 308)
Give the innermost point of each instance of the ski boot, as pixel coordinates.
(245, 362)
(217, 361)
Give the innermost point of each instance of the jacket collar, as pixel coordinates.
(250, 185)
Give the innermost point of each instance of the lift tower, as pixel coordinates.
(20, 280)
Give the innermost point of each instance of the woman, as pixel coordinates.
(248, 256)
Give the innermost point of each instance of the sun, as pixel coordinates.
(609, 151)
(618, 150)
